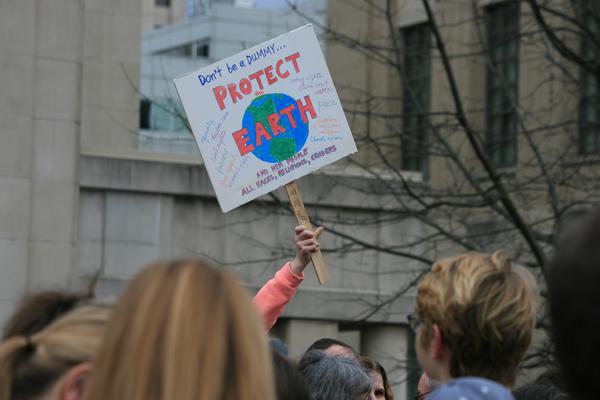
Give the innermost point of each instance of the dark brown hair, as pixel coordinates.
(373, 366)
(325, 343)
(289, 383)
(38, 310)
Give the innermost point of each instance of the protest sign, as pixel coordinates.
(265, 117)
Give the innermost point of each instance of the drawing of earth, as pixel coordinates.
(284, 145)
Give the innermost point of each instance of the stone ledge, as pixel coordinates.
(322, 189)
(341, 305)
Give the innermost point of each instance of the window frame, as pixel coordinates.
(588, 140)
(415, 109)
(502, 82)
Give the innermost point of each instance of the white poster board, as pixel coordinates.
(265, 117)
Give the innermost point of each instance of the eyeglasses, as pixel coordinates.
(413, 322)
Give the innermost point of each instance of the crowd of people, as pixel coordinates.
(186, 330)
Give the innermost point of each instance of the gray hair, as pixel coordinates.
(333, 378)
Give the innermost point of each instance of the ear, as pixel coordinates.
(437, 346)
(74, 382)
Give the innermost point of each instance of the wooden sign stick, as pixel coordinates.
(293, 192)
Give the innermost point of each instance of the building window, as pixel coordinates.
(163, 3)
(416, 96)
(198, 49)
(502, 83)
(202, 50)
(167, 115)
(145, 114)
(190, 8)
(162, 115)
(196, 7)
(589, 106)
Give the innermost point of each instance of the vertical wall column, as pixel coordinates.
(17, 83)
(298, 334)
(55, 144)
(388, 345)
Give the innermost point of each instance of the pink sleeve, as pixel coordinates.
(272, 298)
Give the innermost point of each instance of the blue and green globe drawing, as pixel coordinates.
(285, 144)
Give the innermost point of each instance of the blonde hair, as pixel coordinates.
(183, 330)
(29, 365)
(485, 308)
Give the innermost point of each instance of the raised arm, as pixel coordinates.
(272, 298)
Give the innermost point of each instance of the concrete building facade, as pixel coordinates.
(81, 191)
(534, 112)
(78, 195)
(61, 66)
(220, 31)
(160, 13)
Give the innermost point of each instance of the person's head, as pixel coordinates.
(574, 299)
(381, 388)
(477, 314)
(183, 330)
(334, 378)
(54, 362)
(40, 309)
(289, 383)
(334, 347)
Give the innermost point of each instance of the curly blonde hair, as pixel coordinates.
(485, 308)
